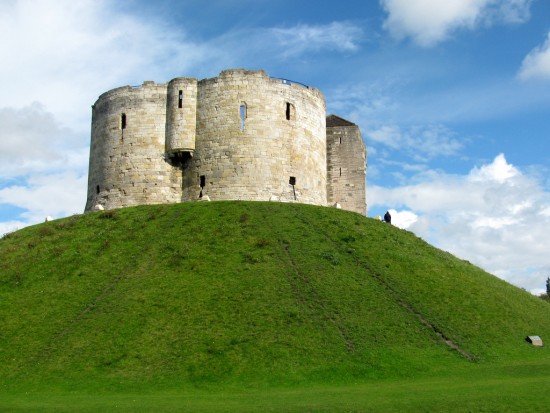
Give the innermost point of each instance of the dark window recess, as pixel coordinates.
(97, 189)
(340, 140)
(242, 113)
(287, 111)
(340, 171)
(123, 121)
(203, 181)
(180, 99)
(292, 181)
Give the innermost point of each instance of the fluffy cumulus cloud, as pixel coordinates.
(429, 22)
(537, 63)
(495, 217)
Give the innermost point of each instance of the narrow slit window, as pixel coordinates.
(340, 171)
(123, 121)
(180, 99)
(97, 189)
(203, 181)
(290, 111)
(242, 114)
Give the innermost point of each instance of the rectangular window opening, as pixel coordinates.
(123, 121)
(287, 111)
(180, 99)
(97, 189)
(203, 181)
(242, 113)
(292, 181)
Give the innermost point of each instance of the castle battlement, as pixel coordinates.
(240, 136)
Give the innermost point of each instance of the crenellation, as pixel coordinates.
(241, 135)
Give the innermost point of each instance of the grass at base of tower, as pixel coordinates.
(474, 388)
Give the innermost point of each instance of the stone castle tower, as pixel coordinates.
(240, 136)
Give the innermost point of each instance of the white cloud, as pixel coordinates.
(63, 54)
(340, 36)
(57, 195)
(537, 63)
(11, 226)
(429, 22)
(403, 219)
(420, 142)
(496, 217)
(500, 171)
(33, 141)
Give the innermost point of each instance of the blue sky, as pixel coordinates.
(452, 97)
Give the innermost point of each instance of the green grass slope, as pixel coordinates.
(247, 293)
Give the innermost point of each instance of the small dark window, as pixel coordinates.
(292, 180)
(340, 171)
(242, 113)
(203, 181)
(180, 99)
(123, 121)
(97, 189)
(340, 140)
(287, 111)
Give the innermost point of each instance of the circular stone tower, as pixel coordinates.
(127, 152)
(239, 136)
(257, 138)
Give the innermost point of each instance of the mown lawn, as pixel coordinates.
(477, 388)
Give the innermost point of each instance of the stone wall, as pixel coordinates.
(239, 136)
(127, 150)
(346, 165)
(253, 134)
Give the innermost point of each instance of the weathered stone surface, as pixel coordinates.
(242, 136)
(346, 165)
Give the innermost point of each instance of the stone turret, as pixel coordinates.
(181, 116)
(240, 136)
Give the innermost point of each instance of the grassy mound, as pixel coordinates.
(247, 293)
